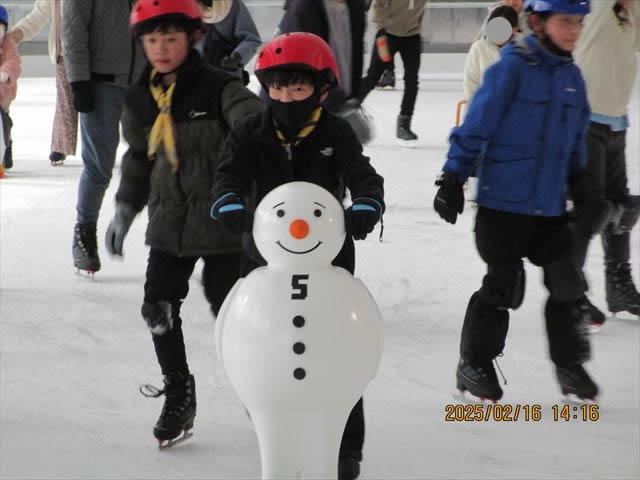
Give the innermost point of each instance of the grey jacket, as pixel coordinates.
(98, 43)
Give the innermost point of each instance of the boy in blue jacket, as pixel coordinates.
(525, 131)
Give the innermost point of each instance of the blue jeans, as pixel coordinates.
(100, 135)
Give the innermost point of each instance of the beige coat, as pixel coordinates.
(402, 18)
(607, 56)
(43, 12)
(482, 55)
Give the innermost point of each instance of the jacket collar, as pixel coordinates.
(533, 52)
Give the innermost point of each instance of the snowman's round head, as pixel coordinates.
(299, 224)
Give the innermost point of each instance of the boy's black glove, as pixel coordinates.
(232, 214)
(449, 201)
(361, 217)
(82, 94)
(119, 227)
(231, 62)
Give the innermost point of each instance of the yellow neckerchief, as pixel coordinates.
(163, 130)
(304, 132)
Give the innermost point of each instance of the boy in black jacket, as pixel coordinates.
(175, 120)
(298, 140)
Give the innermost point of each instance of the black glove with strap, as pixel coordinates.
(231, 62)
(449, 201)
(232, 214)
(82, 93)
(361, 217)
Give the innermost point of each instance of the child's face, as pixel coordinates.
(564, 30)
(290, 93)
(166, 50)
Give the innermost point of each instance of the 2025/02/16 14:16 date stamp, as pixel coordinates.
(498, 412)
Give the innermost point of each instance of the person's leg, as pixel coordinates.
(65, 121)
(622, 294)
(219, 275)
(376, 67)
(410, 49)
(100, 134)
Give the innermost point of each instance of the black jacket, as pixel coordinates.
(205, 103)
(311, 16)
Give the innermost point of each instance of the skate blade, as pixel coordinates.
(164, 444)
(407, 143)
(463, 396)
(573, 399)
(85, 273)
(595, 327)
(58, 163)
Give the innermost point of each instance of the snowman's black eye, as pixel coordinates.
(317, 212)
(280, 212)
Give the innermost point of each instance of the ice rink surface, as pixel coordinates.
(73, 351)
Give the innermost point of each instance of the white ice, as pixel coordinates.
(73, 351)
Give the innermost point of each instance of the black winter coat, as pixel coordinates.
(311, 16)
(205, 104)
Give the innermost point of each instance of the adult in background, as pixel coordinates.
(607, 56)
(398, 25)
(65, 121)
(231, 38)
(101, 59)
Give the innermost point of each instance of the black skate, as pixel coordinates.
(405, 136)
(596, 317)
(85, 248)
(179, 410)
(348, 468)
(576, 384)
(57, 158)
(622, 295)
(479, 379)
(387, 80)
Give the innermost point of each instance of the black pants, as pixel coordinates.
(353, 435)
(410, 49)
(168, 280)
(607, 174)
(503, 239)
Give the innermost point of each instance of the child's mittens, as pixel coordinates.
(362, 216)
(232, 214)
(449, 201)
(4, 77)
(119, 227)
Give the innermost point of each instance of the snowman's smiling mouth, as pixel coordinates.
(298, 253)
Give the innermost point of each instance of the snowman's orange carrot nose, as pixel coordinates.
(299, 229)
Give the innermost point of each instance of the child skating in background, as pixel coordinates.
(525, 130)
(9, 73)
(298, 140)
(175, 120)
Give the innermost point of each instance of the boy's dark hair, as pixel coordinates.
(506, 12)
(286, 76)
(164, 23)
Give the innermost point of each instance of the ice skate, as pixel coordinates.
(348, 468)
(622, 295)
(57, 158)
(576, 384)
(387, 80)
(405, 136)
(596, 317)
(478, 380)
(85, 248)
(179, 411)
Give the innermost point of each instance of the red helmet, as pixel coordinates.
(301, 50)
(144, 10)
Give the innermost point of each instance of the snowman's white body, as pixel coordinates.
(299, 345)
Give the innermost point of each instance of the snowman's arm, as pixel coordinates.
(223, 316)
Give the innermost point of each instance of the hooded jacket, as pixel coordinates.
(525, 130)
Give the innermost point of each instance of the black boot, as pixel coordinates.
(348, 468)
(403, 131)
(179, 408)
(56, 158)
(85, 247)
(479, 379)
(622, 295)
(8, 156)
(387, 80)
(574, 380)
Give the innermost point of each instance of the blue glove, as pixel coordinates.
(118, 228)
(449, 201)
(362, 216)
(232, 214)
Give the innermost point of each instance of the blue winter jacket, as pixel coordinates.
(524, 130)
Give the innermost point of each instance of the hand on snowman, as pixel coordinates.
(362, 216)
(4, 77)
(232, 214)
